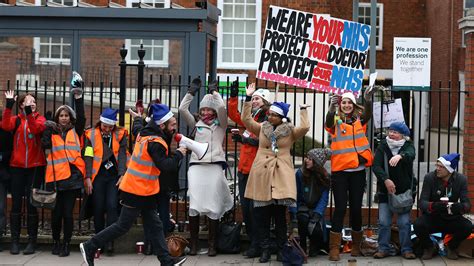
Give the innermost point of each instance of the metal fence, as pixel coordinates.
(430, 141)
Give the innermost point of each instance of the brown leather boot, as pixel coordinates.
(194, 232)
(356, 241)
(213, 225)
(334, 246)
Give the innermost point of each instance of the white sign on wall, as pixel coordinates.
(392, 112)
(411, 63)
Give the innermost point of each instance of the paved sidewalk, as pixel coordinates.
(45, 258)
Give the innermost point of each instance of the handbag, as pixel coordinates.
(176, 245)
(292, 253)
(40, 198)
(228, 237)
(401, 203)
(87, 208)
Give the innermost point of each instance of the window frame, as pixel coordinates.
(129, 3)
(379, 46)
(258, 29)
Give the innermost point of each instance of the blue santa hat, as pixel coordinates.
(450, 161)
(280, 108)
(109, 116)
(400, 127)
(160, 113)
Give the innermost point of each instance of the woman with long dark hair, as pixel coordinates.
(271, 185)
(66, 167)
(312, 183)
(27, 163)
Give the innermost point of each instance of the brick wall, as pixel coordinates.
(469, 112)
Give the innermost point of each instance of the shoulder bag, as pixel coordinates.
(40, 198)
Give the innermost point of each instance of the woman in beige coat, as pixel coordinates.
(271, 184)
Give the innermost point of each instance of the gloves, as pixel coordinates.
(439, 207)
(212, 87)
(368, 94)
(234, 89)
(457, 208)
(28, 109)
(76, 81)
(194, 87)
(236, 137)
(334, 103)
(10, 103)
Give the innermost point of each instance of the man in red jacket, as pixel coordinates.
(27, 164)
(248, 151)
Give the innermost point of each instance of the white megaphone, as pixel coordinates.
(199, 148)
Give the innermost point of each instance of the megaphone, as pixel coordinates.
(200, 149)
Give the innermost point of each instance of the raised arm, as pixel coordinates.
(300, 131)
(184, 110)
(221, 111)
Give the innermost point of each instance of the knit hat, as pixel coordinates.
(349, 96)
(210, 102)
(263, 93)
(161, 113)
(319, 155)
(280, 108)
(450, 161)
(400, 127)
(109, 116)
(72, 113)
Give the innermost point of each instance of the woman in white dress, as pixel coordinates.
(208, 192)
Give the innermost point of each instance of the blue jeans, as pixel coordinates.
(404, 229)
(105, 198)
(152, 223)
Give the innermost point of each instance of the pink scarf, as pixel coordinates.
(208, 119)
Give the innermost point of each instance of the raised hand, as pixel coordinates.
(334, 104)
(250, 89)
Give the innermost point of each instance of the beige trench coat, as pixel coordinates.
(272, 176)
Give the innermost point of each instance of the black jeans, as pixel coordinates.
(152, 223)
(3, 207)
(247, 211)
(341, 184)
(163, 199)
(263, 217)
(62, 212)
(105, 198)
(425, 225)
(21, 184)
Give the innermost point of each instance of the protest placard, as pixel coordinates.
(411, 63)
(392, 112)
(313, 51)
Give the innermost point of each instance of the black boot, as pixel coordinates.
(265, 256)
(15, 225)
(32, 223)
(64, 249)
(194, 235)
(56, 247)
(213, 227)
(148, 248)
(110, 248)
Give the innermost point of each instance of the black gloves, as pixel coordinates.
(194, 87)
(28, 110)
(236, 137)
(10, 103)
(212, 87)
(234, 89)
(457, 208)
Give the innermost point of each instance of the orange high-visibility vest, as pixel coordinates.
(64, 152)
(142, 176)
(349, 141)
(95, 137)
